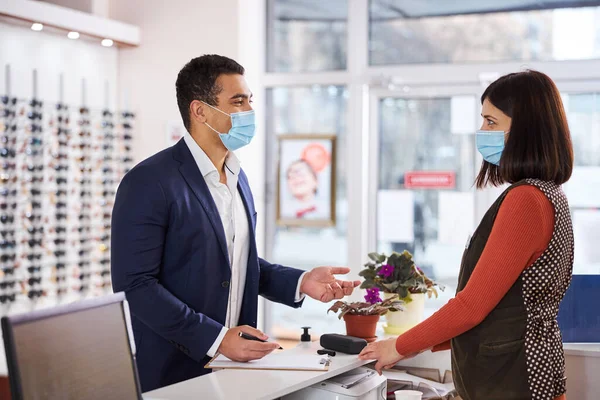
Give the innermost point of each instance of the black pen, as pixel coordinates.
(250, 337)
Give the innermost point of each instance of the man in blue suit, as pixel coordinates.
(183, 238)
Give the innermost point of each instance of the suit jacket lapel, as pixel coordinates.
(195, 180)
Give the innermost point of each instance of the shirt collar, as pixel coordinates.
(232, 163)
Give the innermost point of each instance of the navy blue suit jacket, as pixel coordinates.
(169, 255)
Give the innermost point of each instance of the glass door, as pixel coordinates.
(423, 169)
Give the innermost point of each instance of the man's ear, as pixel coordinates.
(198, 111)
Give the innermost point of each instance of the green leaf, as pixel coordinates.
(367, 273)
(391, 287)
(366, 285)
(403, 293)
(369, 265)
(381, 258)
(374, 256)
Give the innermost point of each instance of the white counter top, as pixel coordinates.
(253, 384)
(582, 349)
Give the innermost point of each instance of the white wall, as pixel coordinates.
(52, 54)
(172, 34)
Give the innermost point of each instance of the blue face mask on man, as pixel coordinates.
(490, 144)
(243, 129)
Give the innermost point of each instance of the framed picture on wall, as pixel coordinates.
(306, 183)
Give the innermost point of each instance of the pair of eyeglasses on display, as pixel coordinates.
(33, 256)
(6, 152)
(8, 257)
(34, 269)
(60, 155)
(6, 100)
(7, 219)
(33, 179)
(9, 114)
(33, 167)
(7, 298)
(35, 294)
(34, 151)
(7, 244)
(33, 217)
(35, 230)
(10, 130)
(8, 141)
(35, 103)
(7, 234)
(8, 206)
(34, 141)
(34, 116)
(33, 243)
(34, 129)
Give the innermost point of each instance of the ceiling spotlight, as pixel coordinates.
(73, 35)
(107, 42)
(37, 27)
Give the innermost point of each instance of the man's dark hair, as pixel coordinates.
(538, 145)
(197, 80)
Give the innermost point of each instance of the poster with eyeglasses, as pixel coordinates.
(306, 184)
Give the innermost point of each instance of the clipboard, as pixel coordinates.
(275, 362)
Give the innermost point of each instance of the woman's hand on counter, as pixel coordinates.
(384, 352)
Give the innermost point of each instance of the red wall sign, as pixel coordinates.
(430, 180)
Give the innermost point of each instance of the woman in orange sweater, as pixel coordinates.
(516, 268)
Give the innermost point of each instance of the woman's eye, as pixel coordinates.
(490, 122)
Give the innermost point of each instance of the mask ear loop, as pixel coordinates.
(221, 111)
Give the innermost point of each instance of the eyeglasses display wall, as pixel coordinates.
(60, 169)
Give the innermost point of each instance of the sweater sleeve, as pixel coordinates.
(521, 232)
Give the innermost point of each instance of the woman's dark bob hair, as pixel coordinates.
(538, 145)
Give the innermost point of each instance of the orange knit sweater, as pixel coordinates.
(521, 232)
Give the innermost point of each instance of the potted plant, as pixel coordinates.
(397, 275)
(361, 317)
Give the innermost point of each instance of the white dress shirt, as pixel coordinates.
(237, 230)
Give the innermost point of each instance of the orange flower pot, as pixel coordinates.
(361, 326)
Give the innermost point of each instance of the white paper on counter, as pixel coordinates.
(583, 189)
(586, 229)
(395, 216)
(456, 217)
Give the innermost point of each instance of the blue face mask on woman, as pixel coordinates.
(243, 128)
(490, 144)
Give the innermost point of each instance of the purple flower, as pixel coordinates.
(386, 270)
(372, 296)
